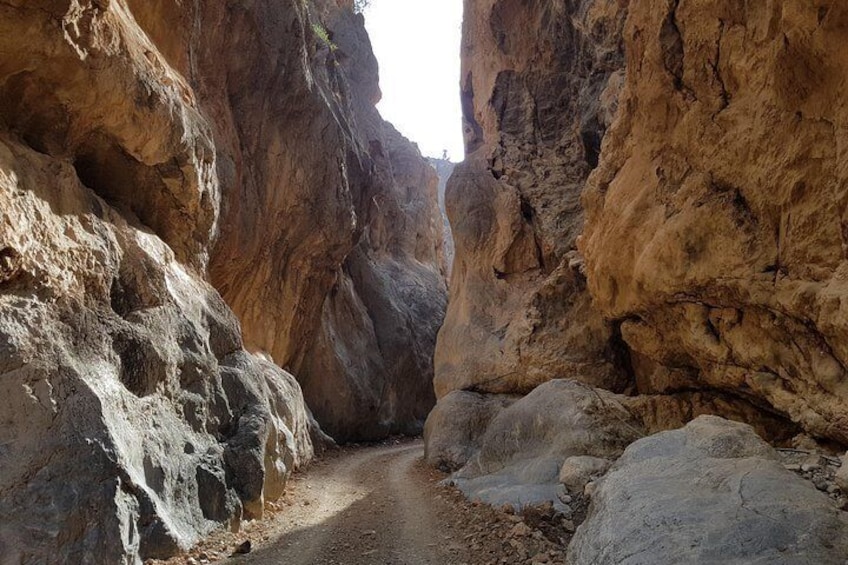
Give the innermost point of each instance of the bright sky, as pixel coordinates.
(417, 46)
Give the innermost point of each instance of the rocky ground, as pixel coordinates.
(381, 504)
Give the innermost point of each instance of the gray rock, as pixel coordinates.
(455, 427)
(576, 472)
(841, 478)
(712, 492)
(126, 396)
(524, 446)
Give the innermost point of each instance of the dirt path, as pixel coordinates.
(379, 505)
(364, 508)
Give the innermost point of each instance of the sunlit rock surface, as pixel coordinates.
(533, 75)
(715, 221)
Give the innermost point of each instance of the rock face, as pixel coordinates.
(444, 168)
(520, 454)
(712, 492)
(330, 248)
(369, 372)
(716, 220)
(714, 254)
(154, 154)
(133, 420)
(537, 91)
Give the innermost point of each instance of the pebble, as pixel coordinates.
(833, 489)
(191, 561)
(810, 467)
(820, 484)
(589, 489)
(792, 467)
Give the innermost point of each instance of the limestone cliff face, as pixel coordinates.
(444, 168)
(154, 154)
(133, 419)
(369, 372)
(705, 140)
(716, 220)
(313, 178)
(539, 84)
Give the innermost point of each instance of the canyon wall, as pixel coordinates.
(716, 220)
(183, 187)
(538, 91)
(701, 270)
(444, 168)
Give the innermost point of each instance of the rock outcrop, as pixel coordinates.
(715, 221)
(444, 168)
(538, 83)
(368, 368)
(714, 257)
(369, 371)
(712, 492)
(152, 155)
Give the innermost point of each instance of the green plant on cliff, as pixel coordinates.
(322, 33)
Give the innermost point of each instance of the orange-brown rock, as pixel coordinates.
(716, 220)
(538, 90)
(326, 248)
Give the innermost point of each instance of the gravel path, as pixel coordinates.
(365, 508)
(381, 505)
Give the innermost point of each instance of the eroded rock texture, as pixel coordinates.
(716, 221)
(711, 492)
(369, 372)
(538, 90)
(444, 168)
(133, 420)
(150, 150)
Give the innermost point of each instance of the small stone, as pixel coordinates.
(833, 489)
(569, 526)
(520, 530)
(794, 467)
(589, 489)
(820, 484)
(810, 467)
(243, 549)
(191, 561)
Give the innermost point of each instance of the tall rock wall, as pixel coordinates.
(716, 220)
(652, 203)
(539, 84)
(154, 154)
(444, 168)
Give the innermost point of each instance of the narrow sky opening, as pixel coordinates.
(417, 47)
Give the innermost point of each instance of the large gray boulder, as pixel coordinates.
(524, 446)
(456, 426)
(711, 492)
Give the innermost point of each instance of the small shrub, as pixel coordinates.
(322, 33)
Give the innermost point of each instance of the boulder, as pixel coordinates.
(456, 426)
(525, 444)
(711, 492)
(578, 471)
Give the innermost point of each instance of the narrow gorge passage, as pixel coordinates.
(368, 507)
(371, 505)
